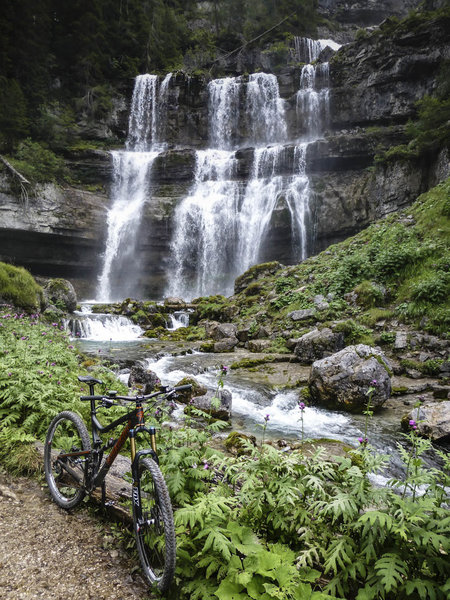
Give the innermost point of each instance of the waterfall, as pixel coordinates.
(307, 50)
(101, 327)
(313, 99)
(226, 222)
(222, 226)
(264, 110)
(204, 240)
(130, 190)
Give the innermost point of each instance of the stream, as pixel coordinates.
(253, 398)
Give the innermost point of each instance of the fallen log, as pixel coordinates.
(118, 489)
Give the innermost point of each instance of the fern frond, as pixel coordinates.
(391, 570)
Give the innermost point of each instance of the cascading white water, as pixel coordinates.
(131, 179)
(264, 110)
(205, 237)
(224, 224)
(312, 100)
(307, 50)
(221, 226)
(101, 327)
(223, 109)
(177, 320)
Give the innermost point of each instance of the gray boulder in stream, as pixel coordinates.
(341, 381)
(217, 404)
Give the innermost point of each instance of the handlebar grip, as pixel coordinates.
(85, 398)
(188, 386)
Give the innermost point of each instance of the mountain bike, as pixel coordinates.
(75, 467)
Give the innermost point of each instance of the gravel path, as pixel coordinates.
(48, 553)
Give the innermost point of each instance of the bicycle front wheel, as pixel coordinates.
(154, 528)
(64, 466)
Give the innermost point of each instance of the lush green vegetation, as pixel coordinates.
(19, 287)
(397, 268)
(263, 525)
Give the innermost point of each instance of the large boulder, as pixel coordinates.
(433, 420)
(318, 343)
(226, 344)
(143, 379)
(225, 330)
(60, 293)
(341, 381)
(217, 404)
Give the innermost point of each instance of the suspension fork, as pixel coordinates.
(135, 458)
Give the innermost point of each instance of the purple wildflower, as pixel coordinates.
(267, 418)
(374, 382)
(412, 424)
(363, 441)
(301, 406)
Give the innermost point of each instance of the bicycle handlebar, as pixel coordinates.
(113, 396)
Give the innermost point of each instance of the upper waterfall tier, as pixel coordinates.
(251, 110)
(146, 125)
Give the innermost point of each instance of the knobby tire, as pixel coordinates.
(155, 537)
(66, 433)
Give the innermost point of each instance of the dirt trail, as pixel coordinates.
(48, 553)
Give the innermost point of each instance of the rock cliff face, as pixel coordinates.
(374, 85)
(55, 232)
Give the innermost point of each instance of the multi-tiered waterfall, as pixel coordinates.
(223, 224)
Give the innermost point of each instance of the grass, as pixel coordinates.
(18, 287)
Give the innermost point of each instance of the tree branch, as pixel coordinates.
(254, 39)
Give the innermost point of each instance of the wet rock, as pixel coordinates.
(226, 344)
(259, 345)
(210, 328)
(217, 404)
(433, 420)
(173, 303)
(243, 334)
(60, 293)
(341, 381)
(186, 395)
(143, 379)
(318, 343)
(225, 330)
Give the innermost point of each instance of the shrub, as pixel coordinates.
(434, 289)
(369, 294)
(37, 163)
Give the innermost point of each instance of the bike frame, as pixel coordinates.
(135, 424)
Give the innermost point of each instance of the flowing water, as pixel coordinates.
(224, 224)
(221, 227)
(132, 169)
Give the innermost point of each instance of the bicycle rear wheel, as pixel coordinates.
(154, 531)
(65, 474)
